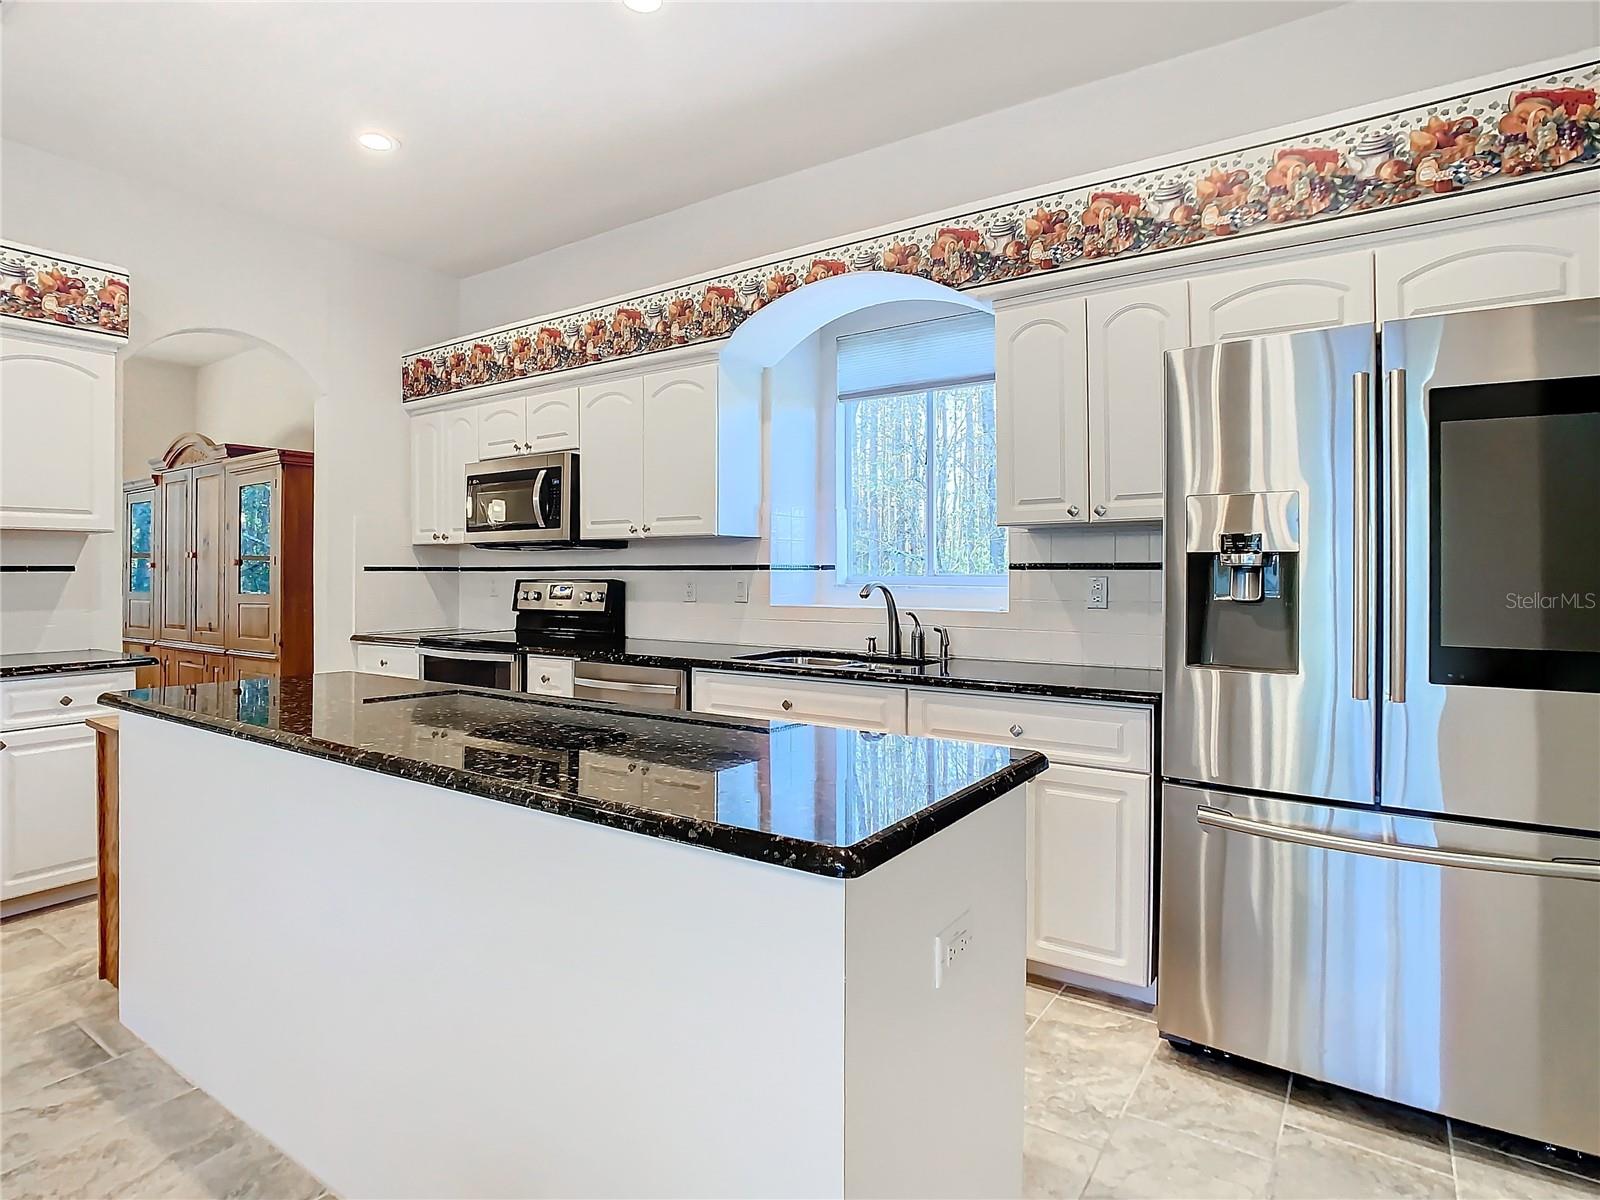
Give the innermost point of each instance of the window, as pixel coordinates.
(140, 515)
(255, 539)
(916, 439)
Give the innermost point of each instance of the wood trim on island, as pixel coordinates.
(106, 734)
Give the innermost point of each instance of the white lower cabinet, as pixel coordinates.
(809, 701)
(1089, 873)
(380, 659)
(48, 835)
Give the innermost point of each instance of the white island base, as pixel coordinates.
(417, 992)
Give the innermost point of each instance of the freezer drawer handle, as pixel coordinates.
(1360, 551)
(1397, 536)
(1221, 818)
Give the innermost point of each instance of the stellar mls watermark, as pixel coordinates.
(1570, 601)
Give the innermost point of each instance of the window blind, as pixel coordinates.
(914, 358)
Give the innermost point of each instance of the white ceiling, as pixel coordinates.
(526, 126)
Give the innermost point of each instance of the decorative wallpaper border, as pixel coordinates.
(36, 285)
(1469, 142)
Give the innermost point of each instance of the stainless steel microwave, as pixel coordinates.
(530, 501)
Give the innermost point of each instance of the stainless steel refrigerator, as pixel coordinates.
(1381, 727)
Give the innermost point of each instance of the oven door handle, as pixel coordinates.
(612, 685)
(1555, 868)
(469, 655)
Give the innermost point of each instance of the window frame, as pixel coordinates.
(844, 439)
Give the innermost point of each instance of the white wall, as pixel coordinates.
(257, 398)
(158, 404)
(1346, 57)
(195, 266)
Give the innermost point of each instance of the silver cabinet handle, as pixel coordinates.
(64, 701)
(1397, 535)
(1072, 510)
(1099, 510)
(787, 705)
(1221, 818)
(1016, 731)
(1360, 546)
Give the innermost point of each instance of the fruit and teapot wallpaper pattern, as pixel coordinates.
(1485, 139)
(36, 285)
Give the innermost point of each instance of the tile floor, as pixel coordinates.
(1114, 1111)
(86, 1110)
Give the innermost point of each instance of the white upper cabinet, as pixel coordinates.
(442, 444)
(1281, 297)
(528, 423)
(674, 453)
(553, 420)
(611, 484)
(1041, 382)
(1130, 331)
(1525, 260)
(680, 452)
(58, 430)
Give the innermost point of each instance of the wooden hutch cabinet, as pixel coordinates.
(217, 563)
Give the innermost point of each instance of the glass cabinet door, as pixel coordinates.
(139, 565)
(254, 515)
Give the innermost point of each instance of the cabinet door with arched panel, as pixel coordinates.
(1520, 260)
(1282, 296)
(611, 424)
(680, 452)
(1041, 412)
(58, 420)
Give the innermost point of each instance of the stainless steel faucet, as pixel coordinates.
(919, 640)
(894, 615)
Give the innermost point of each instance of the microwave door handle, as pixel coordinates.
(538, 497)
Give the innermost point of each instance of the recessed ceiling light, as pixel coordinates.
(380, 143)
(642, 6)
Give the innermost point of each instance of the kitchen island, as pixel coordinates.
(435, 941)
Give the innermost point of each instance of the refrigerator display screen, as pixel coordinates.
(1515, 545)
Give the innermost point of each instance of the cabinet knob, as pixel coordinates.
(1016, 731)
(544, 679)
(64, 701)
(2, 745)
(787, 705)
(1072, 510)
(1099, 510)
(647, 529)
(383, 662)
(633, 529)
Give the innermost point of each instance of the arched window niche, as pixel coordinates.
(841, 479)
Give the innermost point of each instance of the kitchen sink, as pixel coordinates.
(803, 658)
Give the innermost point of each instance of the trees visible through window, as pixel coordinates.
(917, 455)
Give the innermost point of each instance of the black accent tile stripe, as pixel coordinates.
(1086, 566)
(37, 568)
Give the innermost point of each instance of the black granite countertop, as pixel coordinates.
(411, 637)
(69, 662)
(1060, 680)
(834, 802)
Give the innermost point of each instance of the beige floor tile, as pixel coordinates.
(76, 925)
(1054, 1167)
(1081, 1065)
(33, 962)
(1038, 998)
(1310, 1166)
(1392, 1129)
(1235, 1103)
(1484, 1174)
(92, 1003)
(1469, 1135)
(111, 1161)
(42, 1059)
(1146, 1161)
(76, 1108)
(251, 1168)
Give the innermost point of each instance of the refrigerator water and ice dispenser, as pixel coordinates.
(1241, 583)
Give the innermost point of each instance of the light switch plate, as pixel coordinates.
(741, 592)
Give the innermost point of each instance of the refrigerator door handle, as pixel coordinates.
(1221, 818)
(1360, 534)
(1397, 535)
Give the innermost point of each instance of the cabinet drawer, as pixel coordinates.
(773, 698)
(1067, 731)
(58, 699)
(375, 658)
(545, 676)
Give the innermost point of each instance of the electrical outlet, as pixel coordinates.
(1098, 592)
(741, 592)
(494, 587)
(951, 948)
(688, 591)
